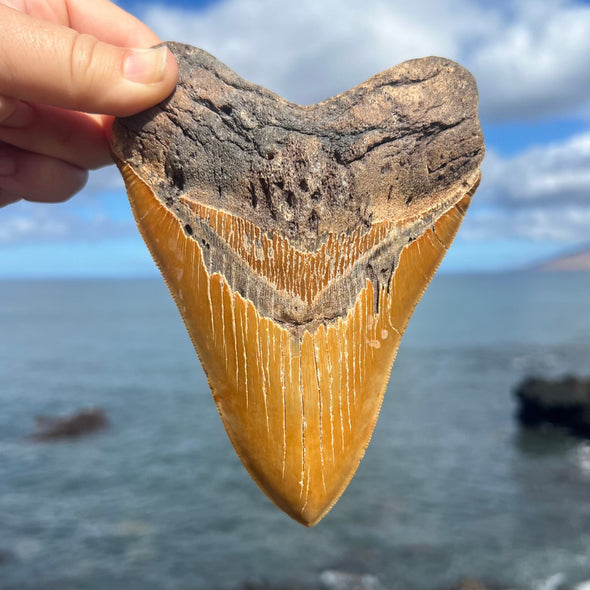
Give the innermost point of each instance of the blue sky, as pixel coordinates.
(531, 59)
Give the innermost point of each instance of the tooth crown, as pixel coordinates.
(296, 242)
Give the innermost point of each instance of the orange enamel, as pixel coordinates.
(299, 411)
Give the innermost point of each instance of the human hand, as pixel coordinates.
(66, 68)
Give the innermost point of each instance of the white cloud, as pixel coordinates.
(542, 193)
(550, 175)
(23, 222)
(569, 226)
(85, 218)
(537, 64)
(531, 59)
(100, 211)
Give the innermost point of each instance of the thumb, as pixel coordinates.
(47, 63)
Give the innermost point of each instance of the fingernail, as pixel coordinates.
(145, 66)
(7, 166)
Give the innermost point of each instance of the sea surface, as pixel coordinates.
(450, 486)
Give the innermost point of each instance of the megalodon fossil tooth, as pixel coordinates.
(296, 242)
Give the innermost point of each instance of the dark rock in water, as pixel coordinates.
(564, 403)
(76, 424)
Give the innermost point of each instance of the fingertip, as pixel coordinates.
(63, 182)
(145, 66)
(172, 70)
(35, 177)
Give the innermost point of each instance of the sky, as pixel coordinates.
(530, 58)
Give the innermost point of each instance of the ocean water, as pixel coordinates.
(450, 486)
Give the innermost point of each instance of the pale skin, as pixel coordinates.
(67, 68)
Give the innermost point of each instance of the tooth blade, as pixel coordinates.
(299, 411)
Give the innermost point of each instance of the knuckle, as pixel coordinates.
(84, 67)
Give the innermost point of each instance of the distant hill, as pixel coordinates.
(571, 262)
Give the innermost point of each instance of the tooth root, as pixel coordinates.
(299, 411)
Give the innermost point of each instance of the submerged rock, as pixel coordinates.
(77, 424)
(564, 403)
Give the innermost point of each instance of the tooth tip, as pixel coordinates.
(310, 520)
(308, 515)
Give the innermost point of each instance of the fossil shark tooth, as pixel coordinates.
(296, 242)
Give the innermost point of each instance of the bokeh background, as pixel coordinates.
(451, 486)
